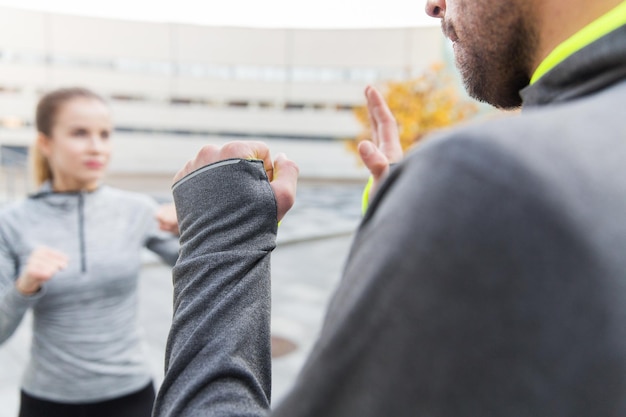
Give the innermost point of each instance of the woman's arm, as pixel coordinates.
(163, 234)
(17, 294)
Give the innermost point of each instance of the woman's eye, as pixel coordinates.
(79, 132)
(105, 134)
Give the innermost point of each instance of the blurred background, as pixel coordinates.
(176, 81)
(174, 87)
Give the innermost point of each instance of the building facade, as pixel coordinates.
(174, 87)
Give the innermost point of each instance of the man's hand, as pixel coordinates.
(42, 264)
(282, 173)
(166, 216)
(385, 147)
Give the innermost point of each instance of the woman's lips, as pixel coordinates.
(94, 164)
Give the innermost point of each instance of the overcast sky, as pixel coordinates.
(254, 13)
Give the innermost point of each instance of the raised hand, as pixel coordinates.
(282, 172)
(41, 266)
(384, 148)
(166, 216)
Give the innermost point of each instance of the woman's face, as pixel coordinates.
(79, 147)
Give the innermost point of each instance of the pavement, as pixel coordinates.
(312, 245)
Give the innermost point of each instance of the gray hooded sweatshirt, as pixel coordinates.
(86, 344)
(488, 277)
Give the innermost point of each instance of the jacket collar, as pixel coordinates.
(591, 69)
(63, 198)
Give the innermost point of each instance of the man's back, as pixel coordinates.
(489, 276)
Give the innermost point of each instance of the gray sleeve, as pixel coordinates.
(218, 358)
(13, 305)
(165, 245)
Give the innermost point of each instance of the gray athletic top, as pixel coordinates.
(86, 343)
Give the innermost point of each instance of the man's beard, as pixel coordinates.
(495, 70)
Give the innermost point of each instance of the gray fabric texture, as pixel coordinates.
(220, 340)
(488, 277)
(86, 344)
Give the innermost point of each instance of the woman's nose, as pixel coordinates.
(96, 143)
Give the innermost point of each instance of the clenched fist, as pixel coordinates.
(42, 264)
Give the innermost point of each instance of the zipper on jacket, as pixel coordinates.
(81, 231)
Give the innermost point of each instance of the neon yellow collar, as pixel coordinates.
(593, 31)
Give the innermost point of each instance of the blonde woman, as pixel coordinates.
(72, 253)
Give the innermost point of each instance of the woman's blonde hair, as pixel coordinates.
(47, 109)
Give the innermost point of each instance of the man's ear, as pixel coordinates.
(43, 144)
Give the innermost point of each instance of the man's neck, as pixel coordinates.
(560, 19)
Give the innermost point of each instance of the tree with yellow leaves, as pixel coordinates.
(419, 105)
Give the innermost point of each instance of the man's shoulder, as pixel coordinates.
(569, 134)
(481, 149)
(546, 161)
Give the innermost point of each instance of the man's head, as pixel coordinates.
(494, 45)
(499, 44)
